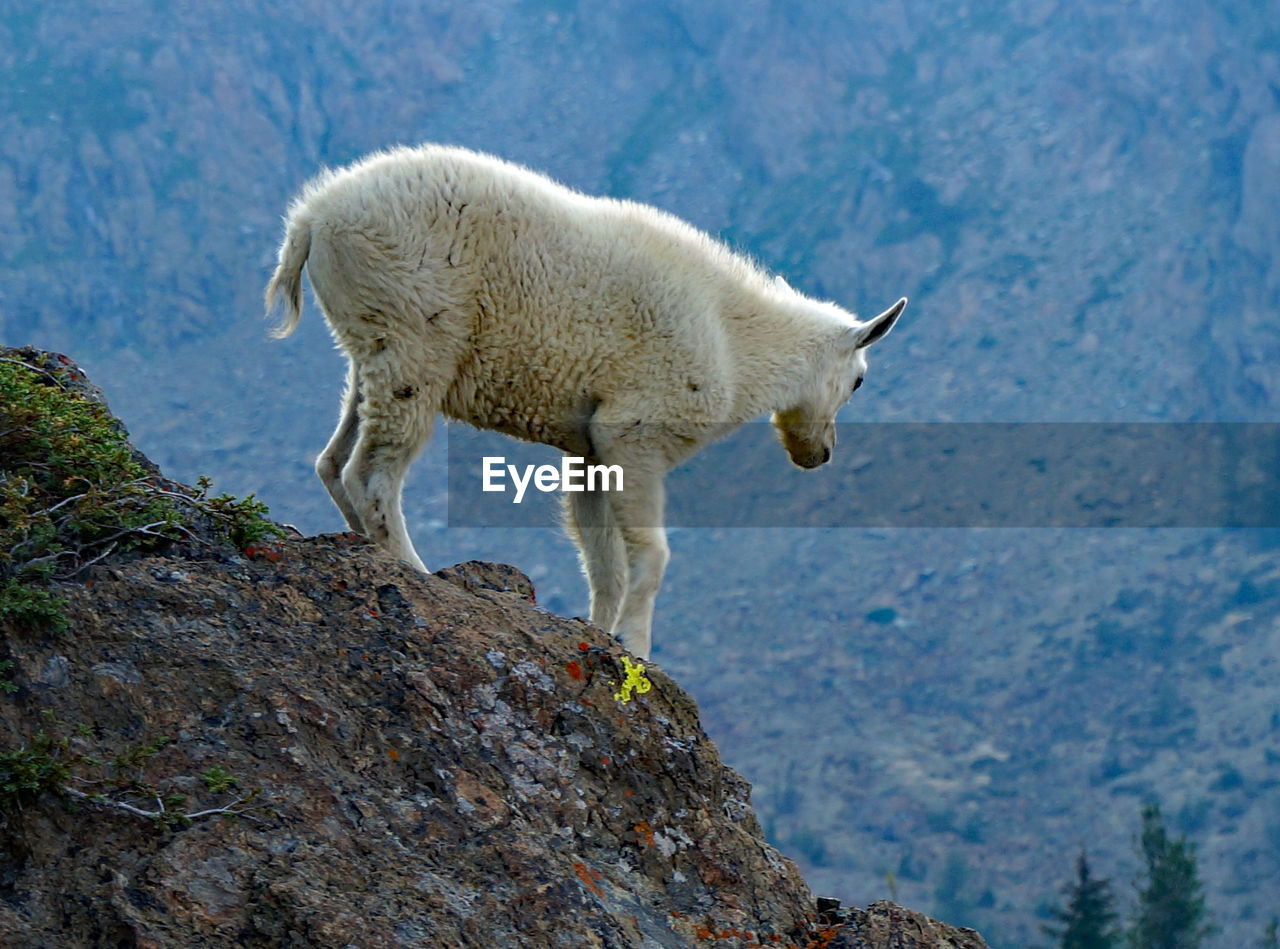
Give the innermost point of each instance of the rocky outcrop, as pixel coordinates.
(306, 743)
(886, 925)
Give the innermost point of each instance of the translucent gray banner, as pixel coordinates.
(915, 475)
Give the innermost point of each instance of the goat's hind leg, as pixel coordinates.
(394, 425)
(336, 454)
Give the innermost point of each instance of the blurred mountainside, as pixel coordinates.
(1082, 201)
(1081, 197)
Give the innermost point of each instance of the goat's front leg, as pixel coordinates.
(638, 511)
(589, 520)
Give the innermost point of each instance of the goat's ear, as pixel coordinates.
(872, 331)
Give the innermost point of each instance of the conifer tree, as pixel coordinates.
(1170, 912)
(1088, 922)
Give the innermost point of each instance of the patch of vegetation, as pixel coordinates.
(242, 521)
(73, 492)
(71, 489)
(1170, 909)
(1088, 921)
(27, 772)
(51, 763)
(218, 780)
(30, 607)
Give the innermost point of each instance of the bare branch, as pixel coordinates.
(89, 563)
(146, 529)
(66, 501)
(99, 802)
(225, 809)
(228, 810)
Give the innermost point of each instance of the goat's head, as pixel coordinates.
(808, 429)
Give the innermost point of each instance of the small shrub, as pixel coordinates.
(218, 780)
(243, 521)
(127, 765)
(25, 606)
(27, 772)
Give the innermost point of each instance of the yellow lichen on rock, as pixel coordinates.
(634, 682)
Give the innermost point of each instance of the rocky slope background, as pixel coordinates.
(300, 742)
(1080, 199)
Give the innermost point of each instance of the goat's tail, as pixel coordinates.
(287, 279)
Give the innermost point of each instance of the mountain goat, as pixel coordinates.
(459, 283)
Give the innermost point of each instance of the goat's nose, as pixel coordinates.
(826, 455)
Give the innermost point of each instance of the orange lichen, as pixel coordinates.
(590, 878)
(824, 938)
(714, 933)
(266, 551)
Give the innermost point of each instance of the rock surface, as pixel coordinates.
(886, 925)
(425, 761)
